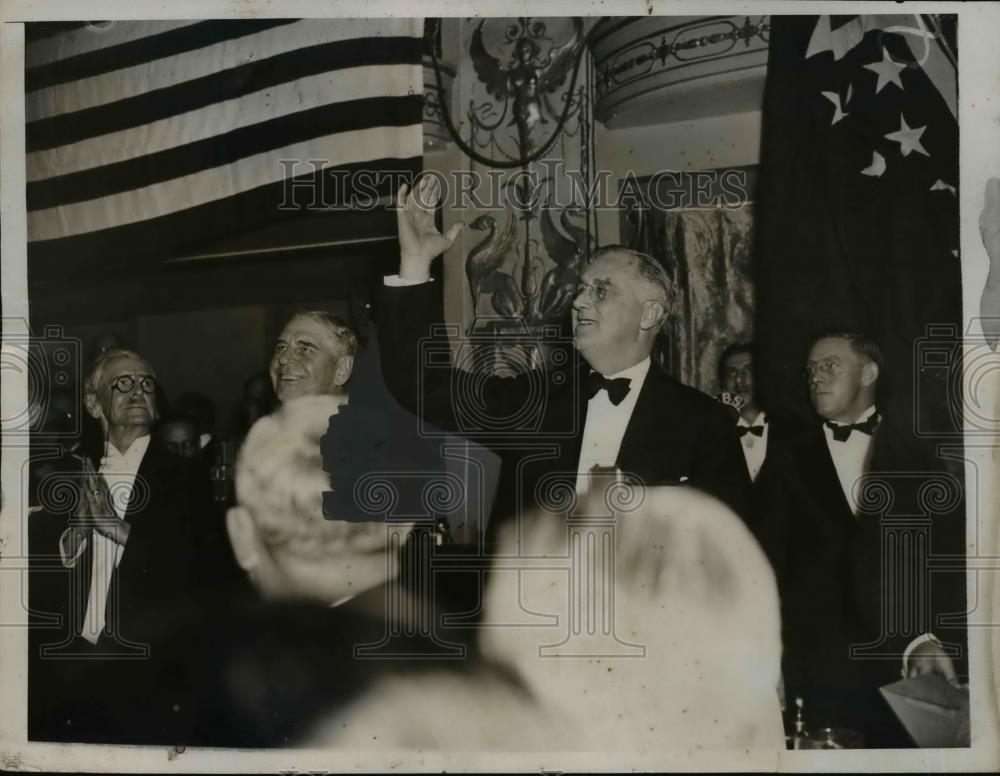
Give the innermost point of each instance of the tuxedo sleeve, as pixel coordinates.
(720, 466)
(420, 372)
(772, 505)
(914, 550)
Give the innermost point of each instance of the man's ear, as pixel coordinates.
(869, 374)
(653, 315)
(244, 538)
(344, 368)
(93, 406)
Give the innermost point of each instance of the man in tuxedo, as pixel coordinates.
(607, 406)
(846, 516)
(758, 430)
(132, 551)
(314, 354)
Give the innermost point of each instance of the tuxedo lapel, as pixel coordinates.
(818, 469)
(569, 413)
(576, 406)
(144, 486)
(643, 441)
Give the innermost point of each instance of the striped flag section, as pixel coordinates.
(146, 139)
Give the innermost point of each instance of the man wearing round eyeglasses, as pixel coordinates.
(850, 533)
(133, 550)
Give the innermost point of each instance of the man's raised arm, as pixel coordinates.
(420, 241)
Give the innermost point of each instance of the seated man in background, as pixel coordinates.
(314, 355)
(852, 533)
(260, 672)
(688, 659)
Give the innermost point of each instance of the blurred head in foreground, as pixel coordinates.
(278, 532)
(690, 658)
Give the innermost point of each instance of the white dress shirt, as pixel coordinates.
(604, 428)
(119, 471)
(754, 447)
(851, 457)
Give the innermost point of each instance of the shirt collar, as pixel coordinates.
(204, 439)
(860, 419)
(759, 420)
(635, 373)
(136, 450)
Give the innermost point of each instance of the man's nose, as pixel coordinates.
(581, 300)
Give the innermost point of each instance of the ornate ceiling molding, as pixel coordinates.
(654, 70)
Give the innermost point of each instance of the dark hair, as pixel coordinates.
(861, 345)
(731, 350)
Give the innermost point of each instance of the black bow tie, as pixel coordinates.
(617, 389)
(755, 430)
(843, 433)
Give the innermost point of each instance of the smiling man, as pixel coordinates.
(314, 355)
(610, 408)
(133, 550)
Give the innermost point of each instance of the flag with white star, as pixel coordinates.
(857, 202)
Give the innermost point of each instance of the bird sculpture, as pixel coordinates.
(568, 253)
(488, 254)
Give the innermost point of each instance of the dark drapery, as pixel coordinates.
(857, 208)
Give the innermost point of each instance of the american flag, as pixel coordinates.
(146, 138)
(857, 204)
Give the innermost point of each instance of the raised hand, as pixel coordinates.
(420, 241)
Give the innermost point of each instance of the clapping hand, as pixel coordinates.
(420, 241)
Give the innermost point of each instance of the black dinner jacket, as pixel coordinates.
(782, 431)
(676, 435)
(830, 569)
(120, 690)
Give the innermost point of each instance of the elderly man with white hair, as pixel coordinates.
(133, 550)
